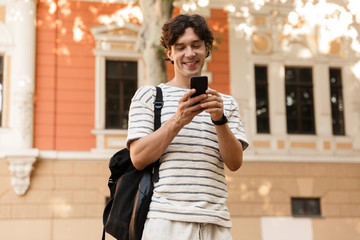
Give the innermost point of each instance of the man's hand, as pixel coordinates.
(186, 110)
(213, 105)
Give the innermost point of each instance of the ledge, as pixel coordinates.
(304, 158)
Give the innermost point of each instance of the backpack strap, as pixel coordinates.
(158, 104)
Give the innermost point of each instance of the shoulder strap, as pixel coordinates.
(158, 104)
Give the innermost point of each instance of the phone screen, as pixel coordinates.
(200, 83)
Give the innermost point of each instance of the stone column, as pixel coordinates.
(240, 73)
(21, 20)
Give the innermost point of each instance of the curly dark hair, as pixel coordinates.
(176, 26)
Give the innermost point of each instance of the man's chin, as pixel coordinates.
(193, 74)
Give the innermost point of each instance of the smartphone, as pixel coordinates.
(200, 83)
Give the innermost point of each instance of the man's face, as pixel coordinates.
(188, 54)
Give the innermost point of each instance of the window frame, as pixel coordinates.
(306, 202)
(264, 85)
(298, 86)
(122, 81)
(339, 89)
(110, 46)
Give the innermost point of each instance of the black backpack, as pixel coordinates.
(130, 190)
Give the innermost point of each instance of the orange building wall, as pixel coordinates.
(65, 75)
(219, 64)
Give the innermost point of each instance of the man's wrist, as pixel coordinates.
(222, 121)
(174, 123)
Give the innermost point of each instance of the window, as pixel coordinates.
(337, 102)
(305, 207)
(299, 100)
(1, 87)
(262, 102)
(121, 84)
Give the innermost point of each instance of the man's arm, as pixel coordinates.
(231, 149)
(148, 149)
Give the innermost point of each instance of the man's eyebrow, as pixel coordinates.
(180, 44)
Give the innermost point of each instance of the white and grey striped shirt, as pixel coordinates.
(192, 185)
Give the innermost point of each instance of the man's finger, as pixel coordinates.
(187, 95)
(212, 92)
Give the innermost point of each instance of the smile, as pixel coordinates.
(191, 63)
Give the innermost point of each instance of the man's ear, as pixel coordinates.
(169, 54)
(208, 50)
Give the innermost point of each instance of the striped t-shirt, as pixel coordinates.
(192, 185)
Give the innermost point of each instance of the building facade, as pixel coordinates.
(68, 71)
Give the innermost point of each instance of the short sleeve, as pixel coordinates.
(235, 123)
(141, 114)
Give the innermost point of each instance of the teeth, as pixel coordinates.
(190, 63)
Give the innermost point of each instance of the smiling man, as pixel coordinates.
(194, 143)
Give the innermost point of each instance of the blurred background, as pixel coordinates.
(68, 71)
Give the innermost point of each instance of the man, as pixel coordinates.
(193, 143)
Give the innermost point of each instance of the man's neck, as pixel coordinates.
(180, 82)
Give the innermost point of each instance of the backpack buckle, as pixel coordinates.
(158, 105)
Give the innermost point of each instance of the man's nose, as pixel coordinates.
(189, 52)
